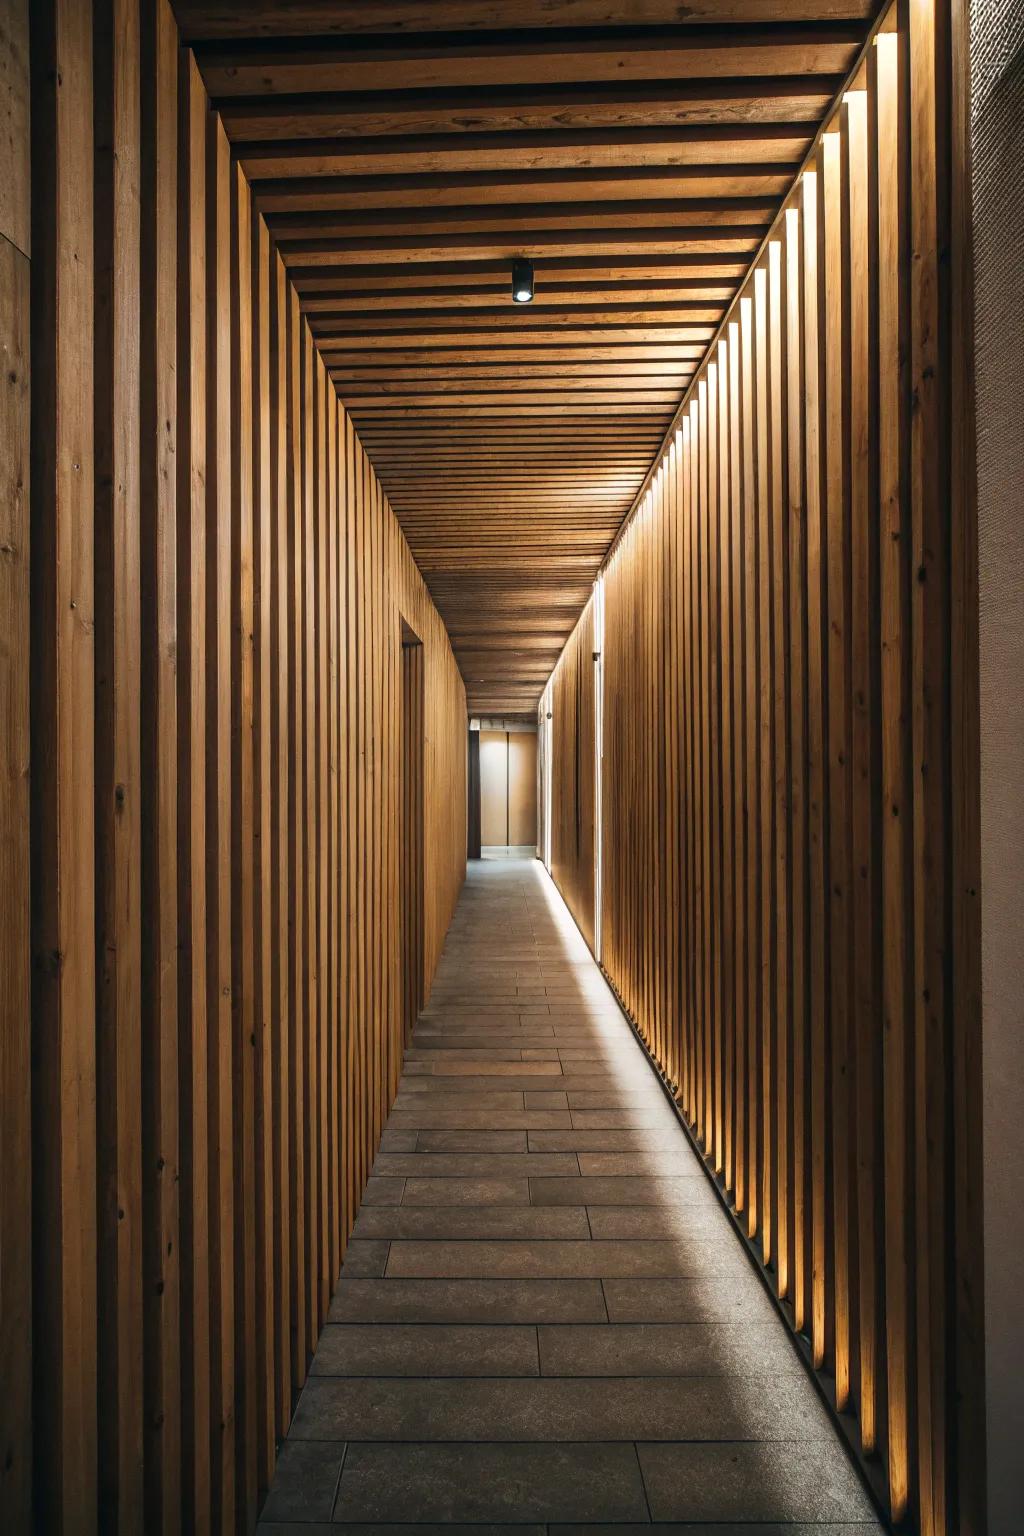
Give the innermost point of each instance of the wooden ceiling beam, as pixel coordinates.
(429, 373)
(504, 317)
(532, 391)
(378, 342)
(604, 106)
(581, 271)
(670, 217)
(501, 357)
(479, 189)
(689, 290)
(263, 132)
(671, 53)
(501, 406)
(201, 19)
(718, 244)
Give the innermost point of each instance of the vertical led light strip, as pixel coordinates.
(598, 754)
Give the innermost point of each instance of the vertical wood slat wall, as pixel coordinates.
(15, 966)
(782, 887)
(217, 1001)
(410, 835)
(572, 747)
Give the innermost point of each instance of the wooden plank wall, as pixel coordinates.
(15, 890)
(572, 763)
(218, 588)
(411, 834)
(780, 772)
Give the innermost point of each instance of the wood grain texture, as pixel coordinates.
(15, 880)
(15, 115)
(229, 18)
(819, 1048)
(119, 790)
(217, 590)
(64, 1141)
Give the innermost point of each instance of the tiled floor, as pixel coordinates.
(544, 1321)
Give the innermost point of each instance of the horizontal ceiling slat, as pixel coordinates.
(694, 53)
(609, 106)
(281, 18)
(404, 152)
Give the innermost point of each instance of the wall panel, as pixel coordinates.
(219, 591)
(780, 770)
(15, 882)
(572, 774)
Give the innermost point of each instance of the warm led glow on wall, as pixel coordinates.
(598, 750)
(774, 667)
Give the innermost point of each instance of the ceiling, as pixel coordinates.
(404, 151)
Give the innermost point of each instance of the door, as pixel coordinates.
(508, 789)
(493, 789)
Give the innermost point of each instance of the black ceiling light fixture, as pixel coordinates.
(522, 280)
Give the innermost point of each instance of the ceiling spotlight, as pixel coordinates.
(522, 280)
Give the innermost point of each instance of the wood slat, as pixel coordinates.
(403, 161)
(15, 853)
(306, 155)
(191, 867)
(694, 54)
(119, 786)
(62, 648)
(815, 539)
(228, 18)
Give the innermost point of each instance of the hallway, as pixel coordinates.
(439, 432)
(543, 1315)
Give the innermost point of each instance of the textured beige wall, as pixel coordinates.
(997, 147)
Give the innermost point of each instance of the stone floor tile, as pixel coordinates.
(460, 1222)
(616, 1098)
(395, 1140)
(702, 1218)
(491, 1482)
(680, 1163)
(461, 1052)
(305, 1480)
(427, 1117)
(475, 1141)
(667, 1349)
(667, 1141)
(741, 1296)
(679, 1408)
(447, 1191)
(383, 1191)
(559, 1260)
(365, 1258)
(743, 1528)
(426, 1349)
(630, 1192)
(467, 1301)
(621, 1119)
(445, 1098)
(442, 1088)
(496, 1165)
(497, 1069)
(785, 1482)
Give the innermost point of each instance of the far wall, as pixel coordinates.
(508, 789)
